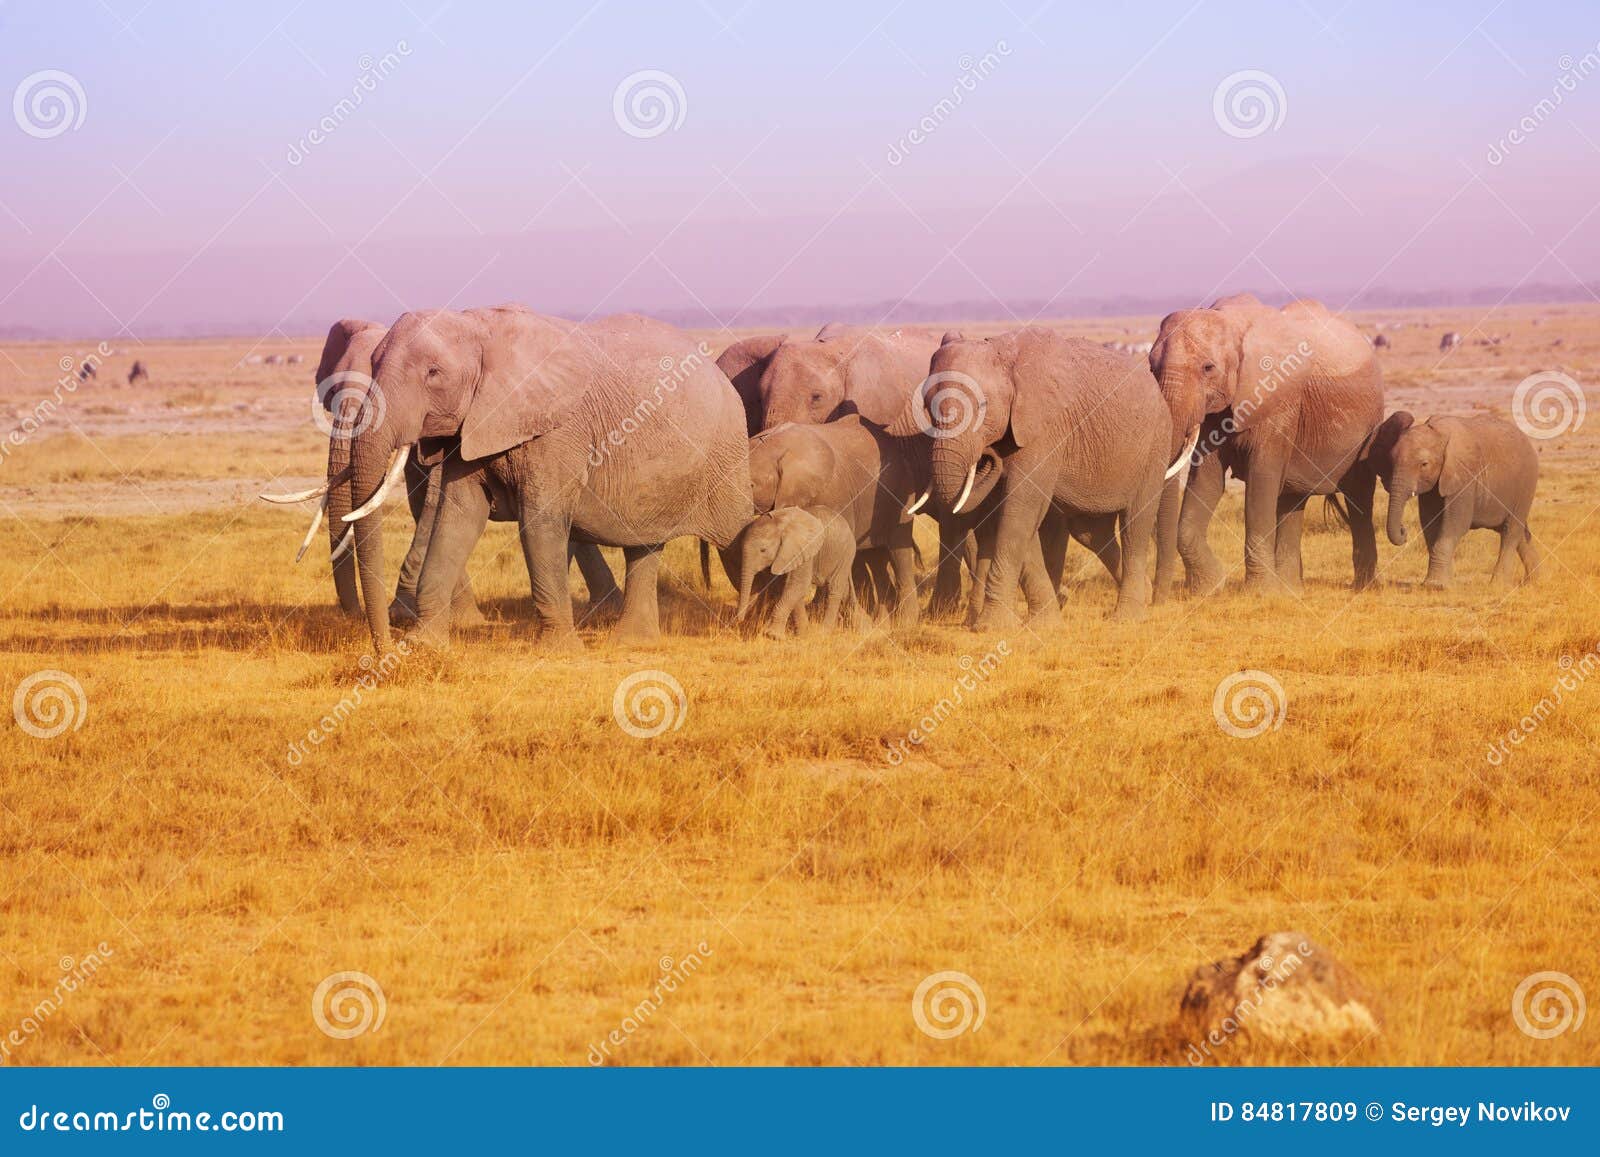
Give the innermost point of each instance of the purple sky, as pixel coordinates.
(1082, 154)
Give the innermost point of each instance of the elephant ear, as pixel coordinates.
(1036, 381)
(1378, 449)
(744, 362)
(340, 335)
(871, 374)
(802, 535)
(533, 372)
(1461, 466)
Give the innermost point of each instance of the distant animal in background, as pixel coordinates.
(86, 371)
(1380, 342)
(295, 359)
(1449, 341)
(274, 360)
(138, 374)
(1466, 474)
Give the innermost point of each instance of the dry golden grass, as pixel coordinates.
(482, 838)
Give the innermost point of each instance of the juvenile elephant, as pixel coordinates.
(1285, 399)
(801, 547)
(618, 432)
(1047, 421)
(1466, 474)
(855, 470)
(846, 370)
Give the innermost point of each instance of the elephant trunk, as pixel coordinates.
(747, 582)
(339, 505)
(371, 456)
(953, 462)
(1400, 491)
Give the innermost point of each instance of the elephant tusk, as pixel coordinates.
(315, 492)
(917, 503)
(344, 546)
(397, 467)
(966, 491)
(1188, 452)
(316, 521)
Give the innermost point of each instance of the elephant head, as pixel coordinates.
(475, 383)
(779, 541)
(970, 408)
(1412, 459)
(1196, 361)
(744, 362)
(816, 381)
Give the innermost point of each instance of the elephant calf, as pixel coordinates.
(1467, 474)
(799, 546)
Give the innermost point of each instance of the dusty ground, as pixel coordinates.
(517, 873)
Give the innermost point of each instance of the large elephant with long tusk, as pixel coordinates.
(618, 432)
(343, 372)
(1286, 399)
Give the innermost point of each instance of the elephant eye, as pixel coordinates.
(433, 372)
(1210, 367)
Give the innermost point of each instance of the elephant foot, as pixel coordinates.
(605, 608)
(467, 614)
(1436, 584)
(560, 640)
(1206, 581)
(633, 632)
(1048, 615)
(402, 611)
(432, 634)
(997, 619)
(1268, 585)
(1129, 611)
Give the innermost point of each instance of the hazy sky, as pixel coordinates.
(1086, 152)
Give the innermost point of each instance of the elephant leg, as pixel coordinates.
(1098, 534)
(790, 605)
(1528, 550)
(1042, 594)
(947, 577)
(1138, 524)
(641, 615)
(1016, 535)
(983, 559)
(1207, 479)
(544, 550)
(1262, 489)
(1453, 521)
(457, 526)
(1359, 488)
(423, 487)
(1505, 564)
(903, 560)
(1286, 551)
(1054, 533)
(597, 577)
(1167, 539)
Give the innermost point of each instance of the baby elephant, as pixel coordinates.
(801, 546)
(1467, 473)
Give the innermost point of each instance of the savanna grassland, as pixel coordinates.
(482, 838)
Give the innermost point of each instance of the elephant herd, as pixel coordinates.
(805, 461)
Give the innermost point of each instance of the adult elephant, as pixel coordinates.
(847, 370)
(1044, 422)
(618, 432)
(1285, 399)
(345, 370)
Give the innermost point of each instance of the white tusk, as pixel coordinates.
(966, 491)
(316, 521)
(315, 492)
(344, 546)
(918, 503)
(397, 467)
(1188, 451)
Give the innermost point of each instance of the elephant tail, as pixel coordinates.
(705, 563)
(1334, 512)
